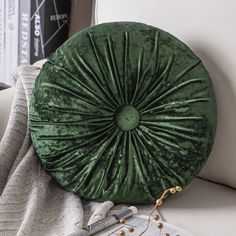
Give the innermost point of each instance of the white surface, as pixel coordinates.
(203, 209)
(209, 28)
(139, 223)
(6, 97)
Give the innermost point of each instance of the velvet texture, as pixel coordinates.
(122, 111)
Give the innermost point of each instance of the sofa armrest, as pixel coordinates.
(6, 98)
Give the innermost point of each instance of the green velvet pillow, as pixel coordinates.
(122, 111)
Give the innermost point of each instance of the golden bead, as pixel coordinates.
(166, 234)
(157, 217)
(158, 202)
(122, 232)
(122, 221)
(178, 188)
(173, 190)
(131, 229)
(159, 225)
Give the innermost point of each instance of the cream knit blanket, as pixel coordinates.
(31, 202)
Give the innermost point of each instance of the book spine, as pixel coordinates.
(37, 26)
(2, 41)
(12, 22)
(49, 27)
(56, 24)
(24, 32)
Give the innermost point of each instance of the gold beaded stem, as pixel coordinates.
(159, 203)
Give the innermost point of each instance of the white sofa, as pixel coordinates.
(209, 28)
(6, 97)
(204, 208)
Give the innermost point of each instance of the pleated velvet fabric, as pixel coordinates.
(122, 111)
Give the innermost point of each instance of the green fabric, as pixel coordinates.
(122, 111)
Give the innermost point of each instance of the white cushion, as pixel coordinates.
(6, 97)
(209, 28)
(203, 209)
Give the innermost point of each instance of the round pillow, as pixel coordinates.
(122, 111)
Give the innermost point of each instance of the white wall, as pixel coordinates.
(209, 28)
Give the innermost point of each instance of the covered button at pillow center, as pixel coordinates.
(126, 117)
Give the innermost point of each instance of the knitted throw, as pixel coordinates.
(31, 202)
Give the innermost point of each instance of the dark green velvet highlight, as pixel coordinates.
(122, 111)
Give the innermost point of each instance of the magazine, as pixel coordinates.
(138, 223)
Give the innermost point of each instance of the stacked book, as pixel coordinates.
(30, 31)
